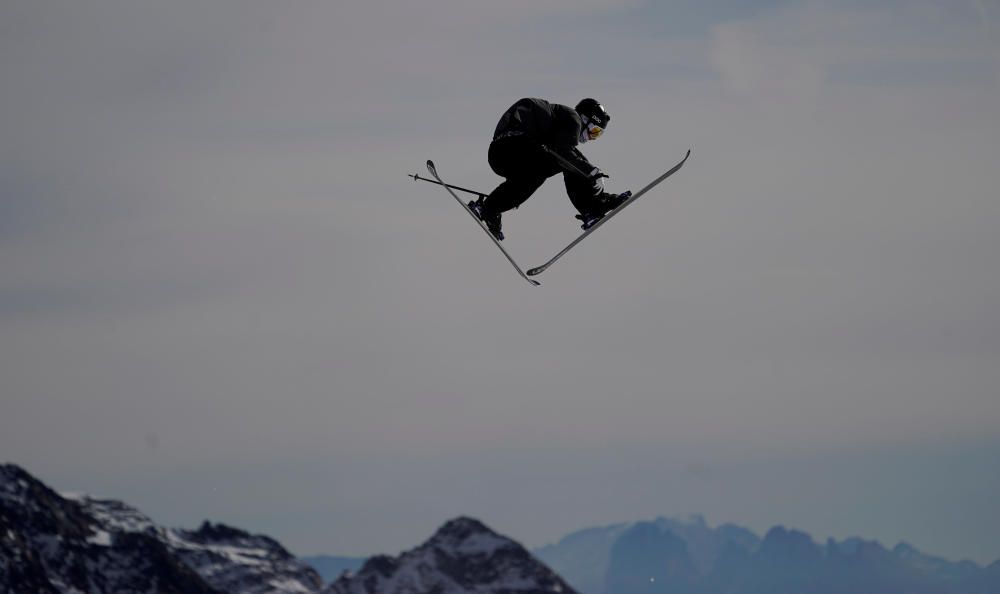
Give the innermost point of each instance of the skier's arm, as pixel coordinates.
(573, 161)
(592, 171)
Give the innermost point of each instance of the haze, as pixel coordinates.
(221, 297)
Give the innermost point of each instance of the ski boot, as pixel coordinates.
(491, 219)
(606, 204)
(610, 202)
(589, 219)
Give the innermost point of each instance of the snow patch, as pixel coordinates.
(289, 585)
(482, 544)
(101, 538)
(115, 515)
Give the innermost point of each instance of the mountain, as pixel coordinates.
(52, 543)
(463, 557)
(331, 567)
(689, 557)
(585, 555)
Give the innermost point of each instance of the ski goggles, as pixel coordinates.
(594, 131)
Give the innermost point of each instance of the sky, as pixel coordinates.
(221, 297)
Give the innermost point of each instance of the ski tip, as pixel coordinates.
(534, 282)
(535, 271)
(430, 164)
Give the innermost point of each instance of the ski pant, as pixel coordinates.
(526, 166)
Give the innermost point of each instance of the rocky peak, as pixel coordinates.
(52, 544)
(460, 528)
(463, 557)
(236, 561)
(27, 504)
(76, 543)
(469, 537)
(783, 545)
(209, 532)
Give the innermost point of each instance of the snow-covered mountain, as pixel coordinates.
(463, 557)
(74, 544)
(52, 543)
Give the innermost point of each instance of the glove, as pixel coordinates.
(596, 174)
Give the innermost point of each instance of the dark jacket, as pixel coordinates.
(556, 126)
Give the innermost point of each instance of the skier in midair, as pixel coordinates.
(534, 141)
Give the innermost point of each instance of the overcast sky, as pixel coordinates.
(221, 297)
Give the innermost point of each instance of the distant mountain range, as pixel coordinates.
(330, 567)
(53, 543)
(688, 557)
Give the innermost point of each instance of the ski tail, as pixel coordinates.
(433, 171)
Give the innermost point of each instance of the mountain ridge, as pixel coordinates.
(61, 543)
(70, 543)
(689, 557)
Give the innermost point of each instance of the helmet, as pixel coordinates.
(595, 117)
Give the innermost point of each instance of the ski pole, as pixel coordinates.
(417, 177)
(566, 164)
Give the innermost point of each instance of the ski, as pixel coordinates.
(433, 171)
(540, 269)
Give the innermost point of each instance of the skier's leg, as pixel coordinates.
(585, 194)
(525, 167)
(589, 197)
(523, 164)
(511, 193)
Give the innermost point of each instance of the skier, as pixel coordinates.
(535, 140)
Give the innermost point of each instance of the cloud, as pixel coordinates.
(755, 66)
(787, 57)
(991, 43)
